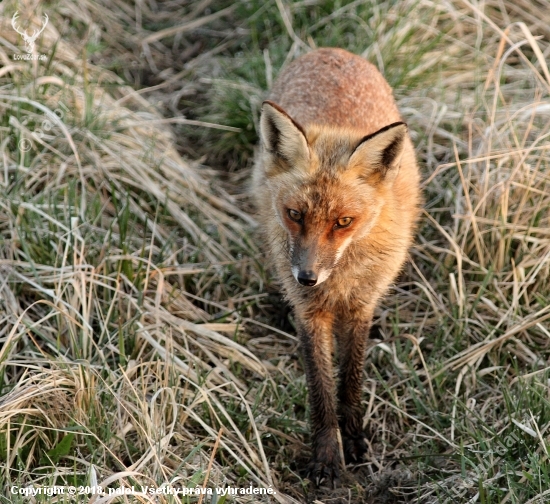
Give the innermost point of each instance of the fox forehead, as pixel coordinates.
(328, 186)
(325, 197)
(330, 150)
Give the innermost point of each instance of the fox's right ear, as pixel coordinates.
(379, 154)
(282, 136)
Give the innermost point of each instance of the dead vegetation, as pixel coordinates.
(141, 343)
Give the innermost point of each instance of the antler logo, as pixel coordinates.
(29, 39)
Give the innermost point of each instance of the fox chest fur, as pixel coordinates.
(336, 185)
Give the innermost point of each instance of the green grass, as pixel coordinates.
(380, 31)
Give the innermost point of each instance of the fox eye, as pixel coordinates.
(294, 215)
(343, 222)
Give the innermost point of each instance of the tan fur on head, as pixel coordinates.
(324, 174)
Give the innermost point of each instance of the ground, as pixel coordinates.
(143, 338)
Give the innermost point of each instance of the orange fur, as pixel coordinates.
(336, 185)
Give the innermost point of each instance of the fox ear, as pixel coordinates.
(282, 136)
(379, 154)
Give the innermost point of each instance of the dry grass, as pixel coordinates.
(140, 344)
(99, 243)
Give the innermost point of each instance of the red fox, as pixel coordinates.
(336, 185)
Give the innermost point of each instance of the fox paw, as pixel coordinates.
(355, 447)
(327, 473)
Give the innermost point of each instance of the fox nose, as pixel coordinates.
(308, 278)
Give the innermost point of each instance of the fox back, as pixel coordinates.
(336, 185)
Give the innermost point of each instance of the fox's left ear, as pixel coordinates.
(282, 136)
(379, 154)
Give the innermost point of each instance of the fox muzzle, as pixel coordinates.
(307, 278)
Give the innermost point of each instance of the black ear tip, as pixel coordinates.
(272, 106)
(398, 125)
(402, 130)
(267, 103)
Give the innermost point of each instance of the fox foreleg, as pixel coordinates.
(352, 345)
(316, 341)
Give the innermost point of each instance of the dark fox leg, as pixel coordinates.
(316, 340)
(351, 348)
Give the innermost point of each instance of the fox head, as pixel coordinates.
(328, 186)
